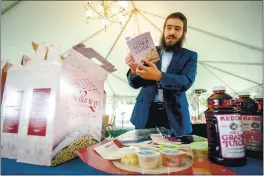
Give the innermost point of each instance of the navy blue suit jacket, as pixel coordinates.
(179, 78)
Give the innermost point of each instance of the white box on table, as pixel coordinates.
(62, 107)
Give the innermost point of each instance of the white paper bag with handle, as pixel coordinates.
(11, 109)
(40, 103)
(62, 109)
(11, 112)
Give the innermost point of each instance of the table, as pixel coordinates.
(78, 167)
(73, 167)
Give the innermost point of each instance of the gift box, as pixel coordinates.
(58, 107)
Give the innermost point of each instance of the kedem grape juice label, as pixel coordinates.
(231, 136)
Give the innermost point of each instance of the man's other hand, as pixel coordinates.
(130, 61)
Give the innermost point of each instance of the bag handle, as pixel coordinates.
(44, 52)
(53, 53)
(35, 47)
(40, 54)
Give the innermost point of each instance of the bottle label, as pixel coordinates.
(252, 125)
(231, 136)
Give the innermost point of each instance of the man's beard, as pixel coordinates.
(171, 48)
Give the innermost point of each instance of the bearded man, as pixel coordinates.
(162, 100)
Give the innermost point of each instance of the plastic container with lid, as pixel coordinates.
(252, 124)
(129, 155)
(148, 159)
(199, 151)
(224, 130)
(173, 158)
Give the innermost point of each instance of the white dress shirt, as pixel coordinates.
(166, 59)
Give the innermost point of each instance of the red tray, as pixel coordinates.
(89, 156)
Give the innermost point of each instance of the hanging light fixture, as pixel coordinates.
(107, 11)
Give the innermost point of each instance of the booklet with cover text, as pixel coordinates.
(143, 47)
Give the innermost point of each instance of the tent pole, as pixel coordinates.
(213, 35)
(231, 74)
(133, 4)
(236, 63)
(246, 90)
(151, 14)
(227, 39)
(136, 19)
(136, 16)
(149, 21)
(10, 7)
(119, 78)
(217, 77)
(119, 35)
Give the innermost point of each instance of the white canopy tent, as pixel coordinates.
(226, 35)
